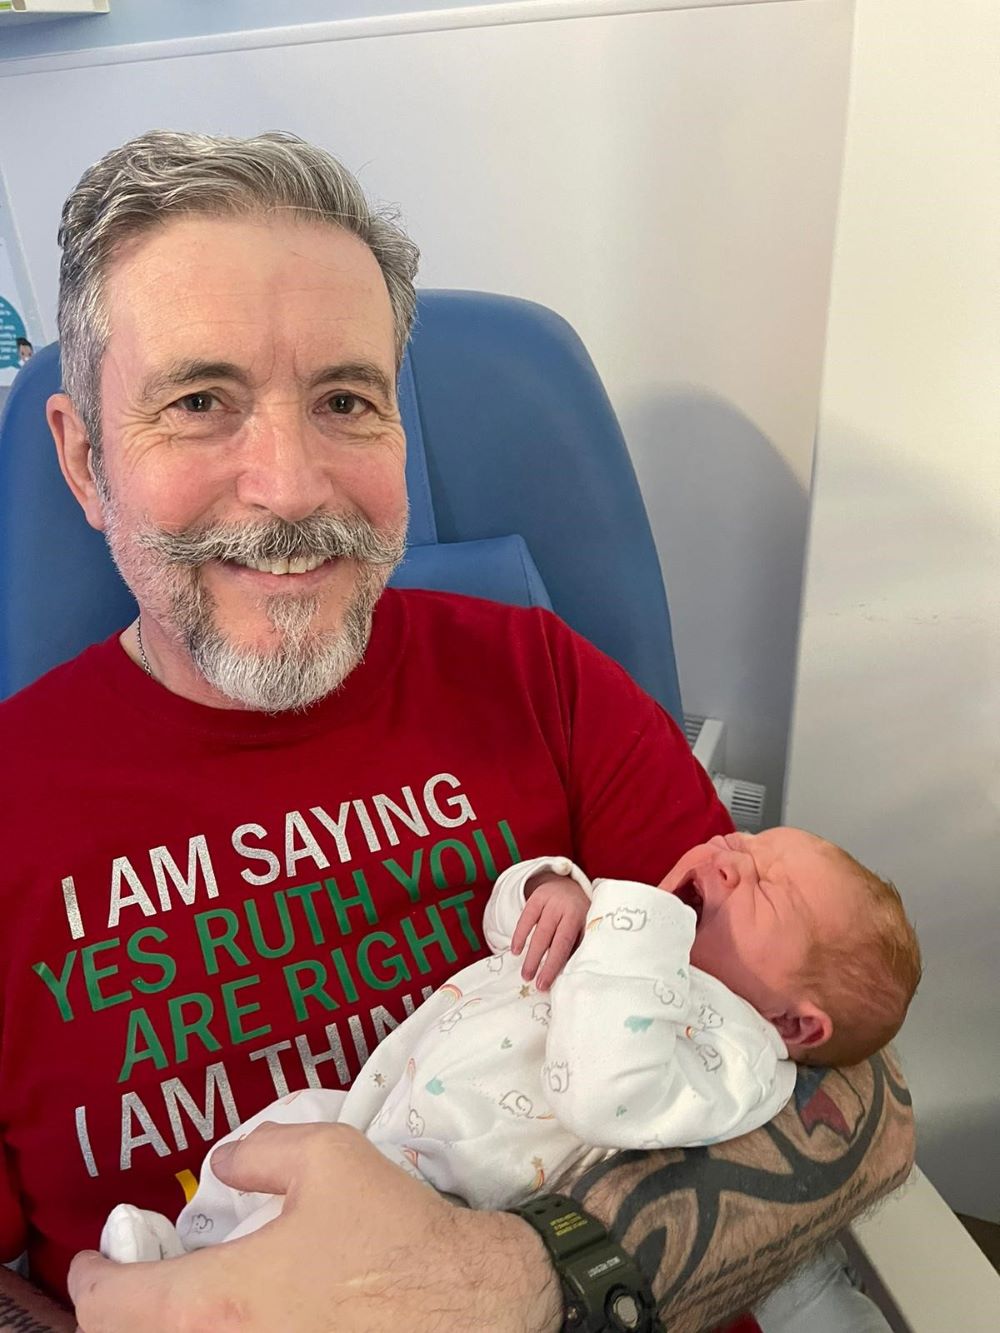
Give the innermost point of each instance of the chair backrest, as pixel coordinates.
(521, 489)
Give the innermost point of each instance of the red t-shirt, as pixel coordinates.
(205, 908)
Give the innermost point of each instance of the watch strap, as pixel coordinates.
(604, 1289)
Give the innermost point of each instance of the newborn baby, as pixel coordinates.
(675, 1016)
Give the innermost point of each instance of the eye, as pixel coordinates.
(197, 404)
(347, 404)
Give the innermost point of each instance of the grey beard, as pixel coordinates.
(307, 664)
(304, 668)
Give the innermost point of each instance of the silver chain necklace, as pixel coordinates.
(142, 652)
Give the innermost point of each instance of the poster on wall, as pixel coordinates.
(15, 346)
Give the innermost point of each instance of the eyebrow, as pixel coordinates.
(182, 373)
(194, 371)
(356, 372)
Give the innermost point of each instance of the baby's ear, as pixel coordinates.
(804, 1026)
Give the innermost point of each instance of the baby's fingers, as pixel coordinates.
(541, 938)
(532, 911)
(563, 943)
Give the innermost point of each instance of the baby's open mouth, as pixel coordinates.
(691, 896)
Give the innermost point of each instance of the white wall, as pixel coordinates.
(160, 20)
(666, 179)
(896, 733)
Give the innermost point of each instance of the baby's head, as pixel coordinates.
(813, 940)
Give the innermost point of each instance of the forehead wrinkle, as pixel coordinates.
(215, 320)
(777, 875)
(818, 907)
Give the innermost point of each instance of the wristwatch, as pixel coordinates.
(603, 1289)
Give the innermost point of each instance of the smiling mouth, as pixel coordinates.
(304, 564)
(692, 897)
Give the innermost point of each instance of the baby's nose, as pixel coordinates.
(730, 870)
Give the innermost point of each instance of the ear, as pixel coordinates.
(75, 456)
(804, 1026)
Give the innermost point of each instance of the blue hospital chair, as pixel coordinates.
(521, 490)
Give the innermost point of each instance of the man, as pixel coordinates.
(251, 832)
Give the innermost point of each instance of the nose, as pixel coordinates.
(283, 469)
(734, 868)
(729, 871)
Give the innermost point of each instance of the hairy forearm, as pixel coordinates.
(715, 1229)
(511, 1284)
(24, 1309)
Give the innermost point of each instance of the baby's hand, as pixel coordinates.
(554, 917)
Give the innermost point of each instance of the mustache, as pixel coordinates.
(323, 536)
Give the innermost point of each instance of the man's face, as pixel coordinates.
(249, 386)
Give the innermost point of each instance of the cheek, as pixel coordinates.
(376, 487)
(726, 937)
(171, 495)
(188, 503)
(707, 944)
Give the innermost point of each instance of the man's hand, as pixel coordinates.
(360, 1247)
(554, 917)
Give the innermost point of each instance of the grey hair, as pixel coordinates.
(164, 172)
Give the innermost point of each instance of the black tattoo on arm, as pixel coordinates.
(715, 1229)
(25, 1309)
(15, 1319)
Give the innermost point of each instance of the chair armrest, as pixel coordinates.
(921, 1266)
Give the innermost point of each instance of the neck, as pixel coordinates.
(170, 666)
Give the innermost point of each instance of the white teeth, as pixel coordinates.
(301, 564)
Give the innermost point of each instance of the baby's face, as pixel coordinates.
(761, 899)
